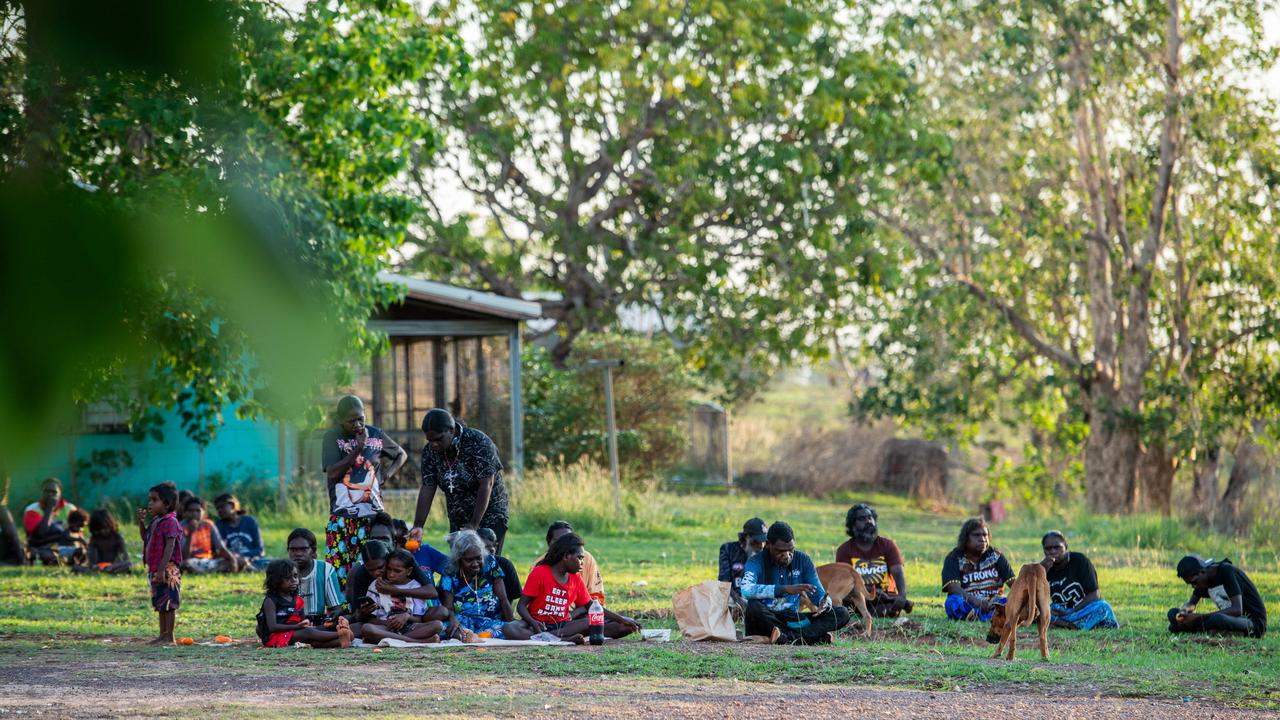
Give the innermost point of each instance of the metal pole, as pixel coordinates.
(282, 499)
(613, 439)
(608, 366)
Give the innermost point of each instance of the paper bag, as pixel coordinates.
(702, 612)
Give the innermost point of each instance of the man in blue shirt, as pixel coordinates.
(772, 584)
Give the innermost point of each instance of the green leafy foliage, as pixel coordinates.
(565, 408)
(711, 161)
(214, 180)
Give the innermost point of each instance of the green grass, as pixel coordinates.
(668, 542)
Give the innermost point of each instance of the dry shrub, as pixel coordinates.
(815, 462)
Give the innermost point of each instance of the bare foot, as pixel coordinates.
(345, 636)
(775, 636)
(162, 640)
(469, 637)
(576, 639)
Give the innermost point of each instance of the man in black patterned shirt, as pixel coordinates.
(462, 463)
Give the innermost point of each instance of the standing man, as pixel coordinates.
(1074, 601)
(772, 584)
(1239, 606)
(352, 456)
(463, 463)
(877, 560)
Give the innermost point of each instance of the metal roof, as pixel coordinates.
(464, 298)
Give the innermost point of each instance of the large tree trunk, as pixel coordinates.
(1155, 479)
(1204, 493)
(1110, 459)
(1246, 468)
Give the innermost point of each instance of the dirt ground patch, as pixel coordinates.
(131, 686)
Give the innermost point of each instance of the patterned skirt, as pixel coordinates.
(343, 538)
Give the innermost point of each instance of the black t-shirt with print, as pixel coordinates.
(457, 473)
(1071, 582)
(985, 577)
(1232, 581)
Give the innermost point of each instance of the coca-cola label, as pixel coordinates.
(595, 618)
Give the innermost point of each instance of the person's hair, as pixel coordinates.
(277, 571)
(193, 500)
(384, 518)
(555, 527)
(973, 523)
(780, 532)
(1053, 534)
(487, 535)
(183, 495)
(1189, 565)
(102, 522)
(463, 542)
(564, 545)
(168, 495)
(51, 482)
(346, 404)
(860, 507)
(437, 420)
(399, 531)
(77, 518)
(229, 498)
(303, 533)
(404, 557)
(374, 550)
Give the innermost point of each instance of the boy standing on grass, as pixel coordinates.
(164, 555)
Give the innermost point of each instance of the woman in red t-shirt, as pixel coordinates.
(555, 599)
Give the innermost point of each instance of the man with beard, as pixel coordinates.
(877, 559)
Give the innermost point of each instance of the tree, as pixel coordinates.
(705, 161)
(1101, 248)
(214, 182)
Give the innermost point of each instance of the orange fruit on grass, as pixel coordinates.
(186, 641)
(222, 639)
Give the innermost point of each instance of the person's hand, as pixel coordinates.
(824, 607)
(415, 534)
(172, 576)
(397, 621)
(304, 624)
(142, 516)
(538, 626)
(387, 588)
(798, 588)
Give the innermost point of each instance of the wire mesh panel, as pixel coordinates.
(709, 443)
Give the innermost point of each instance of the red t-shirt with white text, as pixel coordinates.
(551, 601)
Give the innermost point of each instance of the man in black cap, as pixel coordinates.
(734, 557)
(1240, 607)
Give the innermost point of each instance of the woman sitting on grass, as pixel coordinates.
(281, 621)
(389, 614)
(555, 598)
(472, 590)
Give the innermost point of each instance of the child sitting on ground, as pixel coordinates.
(395, 616)
(76, 521)
(107, 551)
(203, 547)
(240, 532)
(281, 622)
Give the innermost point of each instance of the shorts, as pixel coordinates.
(204, 565)
(279, 639)
(479, 623)
(165, 598)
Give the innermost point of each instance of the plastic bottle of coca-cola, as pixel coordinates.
(595, 622)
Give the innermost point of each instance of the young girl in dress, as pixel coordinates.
(397, 616)
(281, 621)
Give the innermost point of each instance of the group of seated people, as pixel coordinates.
(410, 592)
(768, 576)
(55, 535)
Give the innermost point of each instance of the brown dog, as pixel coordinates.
(1028, 602)
(845, 586)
